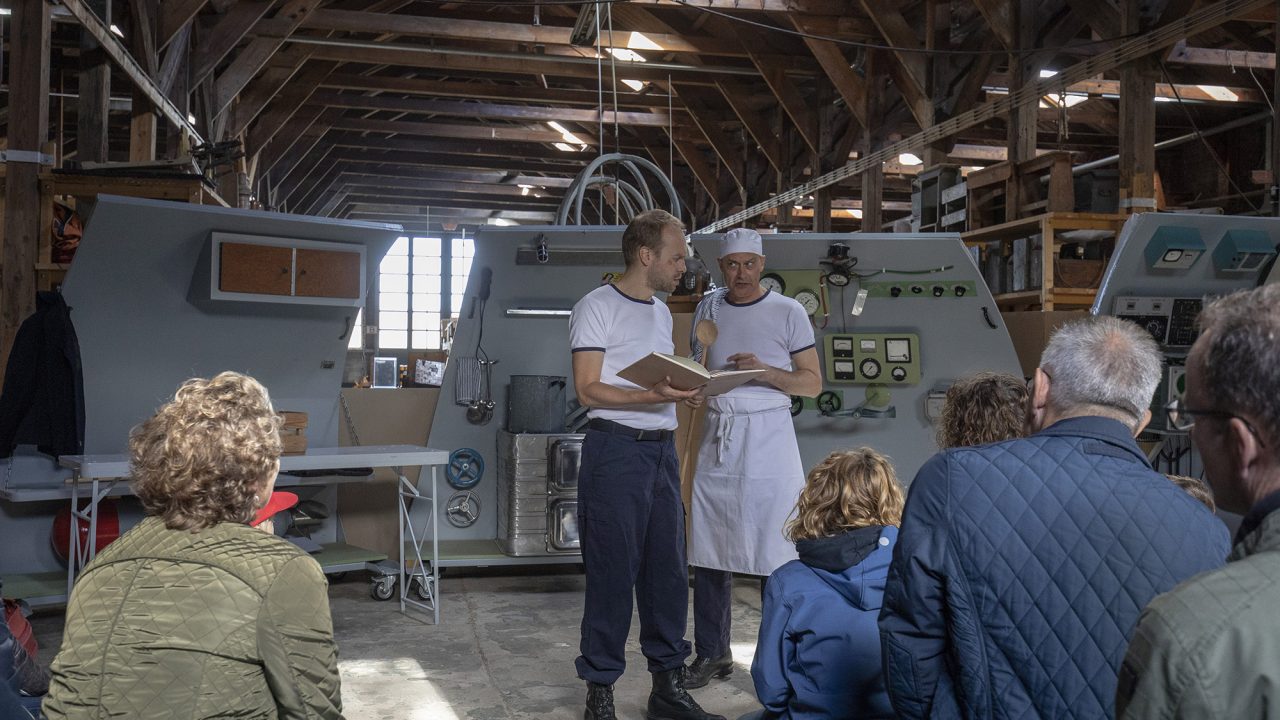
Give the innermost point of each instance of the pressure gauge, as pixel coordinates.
(839, 278)
(808, 300)
(870, 369)
(773, 281)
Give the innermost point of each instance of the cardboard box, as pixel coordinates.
(1030, 332)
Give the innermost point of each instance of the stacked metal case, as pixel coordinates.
(538, 493)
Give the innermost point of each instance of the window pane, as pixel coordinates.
(393, 283)
(399, 247)
(463, 248)
(393, 321)
(426, 302)
(426, 283)
(460, 266)
(398, 264)
(393, 339)
(393, 301)
(426, 265)
(426, 247)
(420, 340)
(433, 339)
(457, 303)
(357, 333)
(426, 321)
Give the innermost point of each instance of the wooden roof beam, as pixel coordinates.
(625, 96)
(458, 29)
(487, 110)
(1187, 55)
(175, 15)
(757, 126)
(250, 60)
(705, 117)
(215, 43)
(911, 71)
(847, 82)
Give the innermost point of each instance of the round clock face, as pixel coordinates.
(808, 300)
(770, 281)
(838, 278)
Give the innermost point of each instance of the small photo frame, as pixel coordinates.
(385, 372)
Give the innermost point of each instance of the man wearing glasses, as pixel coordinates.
(1022, 566)
(1211, 648)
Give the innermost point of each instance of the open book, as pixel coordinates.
(685, 374)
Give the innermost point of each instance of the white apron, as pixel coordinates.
(748, 478)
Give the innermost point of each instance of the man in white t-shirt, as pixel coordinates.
(749, 470)
(630, 514)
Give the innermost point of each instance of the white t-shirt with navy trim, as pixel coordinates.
(624, 329)
(773, 327)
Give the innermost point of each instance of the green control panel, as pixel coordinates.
(888, 358)
(921, 288)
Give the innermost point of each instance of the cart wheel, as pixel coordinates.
(383, 588)
(419, 587)
(828, 402)
(797, 405)
(338, 576)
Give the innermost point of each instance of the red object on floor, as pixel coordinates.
(108, 528)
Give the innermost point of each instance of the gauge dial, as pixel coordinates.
(773, 281)
(808, 300)
(870, 369)
(839, 278)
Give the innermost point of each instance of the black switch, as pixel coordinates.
(916, 289)
(895, 291)
(938, 290)
(959, 291)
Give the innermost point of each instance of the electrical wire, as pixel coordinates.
(1196, 129)
(891, 271)
(1261, 89)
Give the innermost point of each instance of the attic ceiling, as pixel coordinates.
(463, 113)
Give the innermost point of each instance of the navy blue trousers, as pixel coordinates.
(631, 521)
(712, 610)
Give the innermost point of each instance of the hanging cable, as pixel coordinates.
(1196, 129)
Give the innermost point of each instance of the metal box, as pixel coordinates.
(537, 493)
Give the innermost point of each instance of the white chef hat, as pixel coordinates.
(741, 240)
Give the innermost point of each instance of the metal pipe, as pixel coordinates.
(1180, 140)
(567, 59)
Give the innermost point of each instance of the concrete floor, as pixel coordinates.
(504, 649)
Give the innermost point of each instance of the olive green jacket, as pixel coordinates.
(1210, 648)
(228, 622)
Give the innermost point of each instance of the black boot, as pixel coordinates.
(702, 670)
(670, 701)
(599, 702)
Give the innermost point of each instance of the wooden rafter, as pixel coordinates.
(707, 120)
(911, 72)
(488, 110)
(250, 60)
(756, 125)
(218, 41)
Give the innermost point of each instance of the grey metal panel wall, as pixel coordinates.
(137, 290)
(955, 338)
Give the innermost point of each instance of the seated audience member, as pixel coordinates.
(1196, 489)
(818, 655)
(983, 408)
(193, 613)
(1022, 566)
(1211, 647)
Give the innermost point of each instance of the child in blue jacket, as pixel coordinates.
(818, 654)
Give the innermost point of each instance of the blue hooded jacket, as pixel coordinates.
(818, 654)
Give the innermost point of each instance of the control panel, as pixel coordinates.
(921, 288)
(888, 358)
(1170, 320)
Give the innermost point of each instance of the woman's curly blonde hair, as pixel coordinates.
(983, 408)
(849, 489)
(202, 458)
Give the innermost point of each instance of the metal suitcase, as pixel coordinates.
(536, 470)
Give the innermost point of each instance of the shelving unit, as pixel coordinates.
(1050, 227)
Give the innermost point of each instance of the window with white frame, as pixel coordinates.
(420, 283)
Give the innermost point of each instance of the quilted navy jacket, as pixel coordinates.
(1021, 569)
